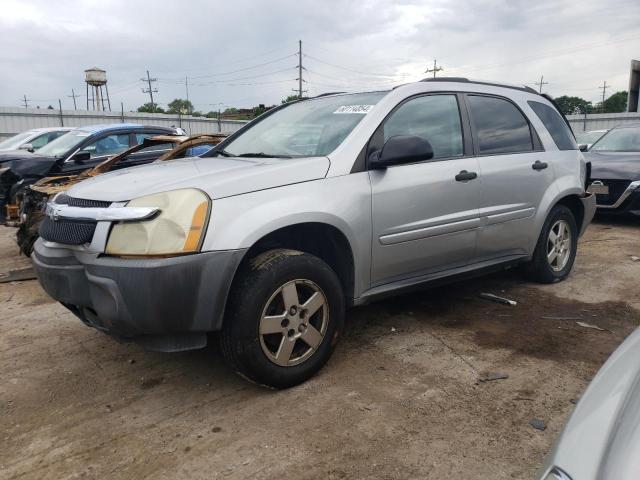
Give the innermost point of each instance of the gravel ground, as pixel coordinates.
(400, 398)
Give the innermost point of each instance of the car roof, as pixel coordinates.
(117, 126)
(50, 129)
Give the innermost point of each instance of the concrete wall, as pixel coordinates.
(601, 121)
(16, 120)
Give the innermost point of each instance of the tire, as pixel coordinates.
(541, 268)
(299, 332)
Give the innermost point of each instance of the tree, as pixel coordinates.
(290, 98)
(231, 111)
(211, 114)
(196, 114)
(616, 103)
(148, 108)
(179, 105)
(573, 105)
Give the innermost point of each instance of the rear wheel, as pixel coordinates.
(284, 317)
(556, 249)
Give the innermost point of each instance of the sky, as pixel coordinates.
(244, 53)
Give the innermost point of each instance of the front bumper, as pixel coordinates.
(167, 303)
(628, 203)
(589, 206)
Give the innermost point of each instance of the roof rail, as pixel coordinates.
(524, 88)
(328, 93)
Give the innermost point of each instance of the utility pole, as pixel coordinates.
(150, 90)
(300, 68)
(73, 95)
(604, 92)
(435, 69)
(541, 83)
(186, 86)
(25, 101)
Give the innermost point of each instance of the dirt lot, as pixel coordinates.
(399, 399)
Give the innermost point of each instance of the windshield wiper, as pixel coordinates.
(224, 153)
(261, 155)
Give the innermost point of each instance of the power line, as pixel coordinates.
(435, 69)
(300, 68)
(74, 96)
(604, 92)
(541, 83)
(150, 90)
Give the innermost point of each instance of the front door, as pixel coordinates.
(424, 218)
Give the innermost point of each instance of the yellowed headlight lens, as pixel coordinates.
(177, 229)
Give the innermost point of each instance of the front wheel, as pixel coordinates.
(284, 317)
(557, 246)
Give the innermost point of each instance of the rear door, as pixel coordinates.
(423, 219)
(514, 171)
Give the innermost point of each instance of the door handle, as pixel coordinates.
(538, 165)
(465, 176)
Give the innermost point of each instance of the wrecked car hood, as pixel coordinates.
(27, 164)
(217, 176)
(614, 165)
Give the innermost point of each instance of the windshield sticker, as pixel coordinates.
(363, 109)
(80, 134)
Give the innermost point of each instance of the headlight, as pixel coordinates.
(557, 474)
(178, 228)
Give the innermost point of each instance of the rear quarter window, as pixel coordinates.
(555, 125)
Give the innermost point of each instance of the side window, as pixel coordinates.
(436, 118)
(109, 145)
(140, 137)
(40, 141)
(555, 124)
(498, 126)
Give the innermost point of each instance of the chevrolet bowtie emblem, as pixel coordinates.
(53, 212)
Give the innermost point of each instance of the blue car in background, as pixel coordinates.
(72, 153)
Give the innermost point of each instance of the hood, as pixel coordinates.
(26, 164)
(614, 165)
(217, 176)
(602, 437)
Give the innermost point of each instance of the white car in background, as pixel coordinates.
(602, 437)
(32, 139)
(589, 138)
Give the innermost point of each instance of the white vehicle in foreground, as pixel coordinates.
(602, 437)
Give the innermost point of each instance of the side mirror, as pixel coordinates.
(81, 157)
(401, 149)
(27, 146)
(583, 147)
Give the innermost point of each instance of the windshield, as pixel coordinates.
(61, 145)
(14, 142)
(619, 140)
(589, 137)
(305, 129)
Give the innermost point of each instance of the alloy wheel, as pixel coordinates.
(293, 322)
(559, 245)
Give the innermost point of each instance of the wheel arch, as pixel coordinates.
(323, 240)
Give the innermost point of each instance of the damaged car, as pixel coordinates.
(32, 202)
(615, 171)
(75, 151)
(314, 206)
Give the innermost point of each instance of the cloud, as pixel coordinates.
(243, 53)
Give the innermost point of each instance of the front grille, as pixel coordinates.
(71, 232)
(64, 231)
(616, 188)
(64, 199)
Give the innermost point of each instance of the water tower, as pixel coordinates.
(96, 78)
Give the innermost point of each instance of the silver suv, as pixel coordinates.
(318, 204)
